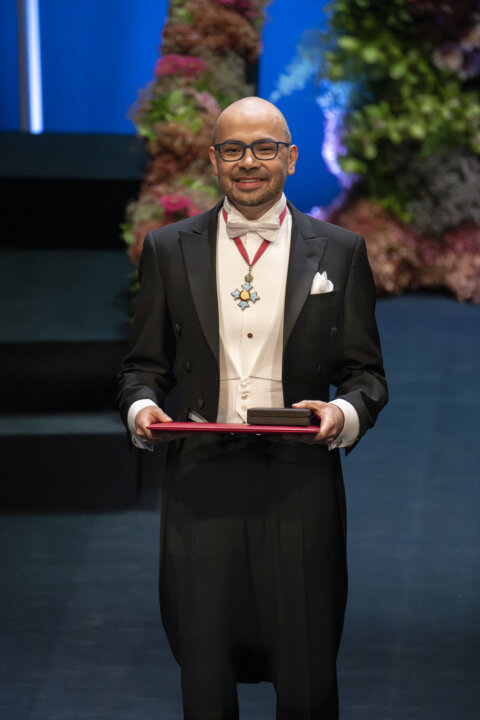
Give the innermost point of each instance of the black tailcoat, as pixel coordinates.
(329, 339)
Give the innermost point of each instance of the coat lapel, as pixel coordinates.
(199, 254)
(306, 252)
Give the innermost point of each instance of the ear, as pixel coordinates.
(213, 159)
(292, 159)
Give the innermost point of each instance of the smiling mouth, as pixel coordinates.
(249, 182)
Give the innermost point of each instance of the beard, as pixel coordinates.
(269, 194)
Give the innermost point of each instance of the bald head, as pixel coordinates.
(252, 109)
(253, 184)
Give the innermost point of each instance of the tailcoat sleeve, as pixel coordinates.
(147, 369)
(358, 373)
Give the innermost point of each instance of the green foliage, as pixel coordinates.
(174, 99)
(226, 80)
(196, 184)
(401, 105)
(173, 106)
(179, 12)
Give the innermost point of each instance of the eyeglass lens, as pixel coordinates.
(262, 149)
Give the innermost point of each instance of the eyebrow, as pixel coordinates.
(263, 139)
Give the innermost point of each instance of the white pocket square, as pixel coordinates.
(321, 284)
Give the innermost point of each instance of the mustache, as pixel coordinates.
(249, 175)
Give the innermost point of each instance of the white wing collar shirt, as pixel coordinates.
(251, 339)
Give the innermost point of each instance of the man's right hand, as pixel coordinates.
(147, 416)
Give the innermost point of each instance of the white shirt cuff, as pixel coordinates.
(132, 413)
(351, 427)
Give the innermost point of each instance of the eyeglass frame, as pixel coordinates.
(249, 147)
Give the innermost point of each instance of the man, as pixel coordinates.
(253, 570)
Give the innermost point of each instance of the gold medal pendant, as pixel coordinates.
(247, 293)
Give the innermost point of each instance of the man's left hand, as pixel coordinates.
(331, 419)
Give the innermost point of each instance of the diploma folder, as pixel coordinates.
(191, 427)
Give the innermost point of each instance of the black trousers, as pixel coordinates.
(253, 574)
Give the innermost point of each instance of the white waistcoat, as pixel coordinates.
(251, 340)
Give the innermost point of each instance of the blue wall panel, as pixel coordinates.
(312, 183)
(9, 97)
(96, 54)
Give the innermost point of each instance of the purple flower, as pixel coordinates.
(471, 65)
(448, 57)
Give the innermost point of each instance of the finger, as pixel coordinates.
(327, 432)
(162, 416)
(319, 439)
(317, 406)
(146, 444)
(156, 416)
(144, 437)
(311, 404)
(149, 416)
(144, 433)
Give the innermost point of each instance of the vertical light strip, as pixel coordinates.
(34, 66)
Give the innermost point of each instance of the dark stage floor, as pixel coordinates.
(80, 630)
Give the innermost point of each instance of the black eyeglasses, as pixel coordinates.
(234, 150)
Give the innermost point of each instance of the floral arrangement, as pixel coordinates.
(207, 47)
(402, 134)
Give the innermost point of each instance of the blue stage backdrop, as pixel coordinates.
(97, 54)
(288, 22)
(9, 95)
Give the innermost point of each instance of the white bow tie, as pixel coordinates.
(267, 229)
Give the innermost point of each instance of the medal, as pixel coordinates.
(247, 293)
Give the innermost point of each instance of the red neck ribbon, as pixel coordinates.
(261, 249)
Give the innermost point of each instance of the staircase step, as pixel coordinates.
(66, 329)
(64, 295)
(72, 461)
(59, 376)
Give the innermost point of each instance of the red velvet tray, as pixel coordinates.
(183, 427)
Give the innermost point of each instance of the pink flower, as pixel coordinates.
(207, 101)
(167, 65)
(173, 204)
(248, 7)
(174, 64)
(193, 65)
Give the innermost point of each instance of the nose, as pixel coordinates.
(249, 159)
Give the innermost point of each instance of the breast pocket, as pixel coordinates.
(321, 300)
